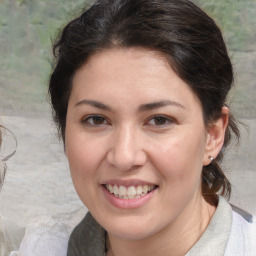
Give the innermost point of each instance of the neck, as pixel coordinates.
(174, 240)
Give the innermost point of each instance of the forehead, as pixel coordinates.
(138, 72)
(135, 61)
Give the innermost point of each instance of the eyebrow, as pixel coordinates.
(141, 108)
(93, 103)
(159, 104)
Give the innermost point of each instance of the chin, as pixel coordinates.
(130, 233)
(129, 229)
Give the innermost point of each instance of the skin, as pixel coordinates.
(128, 143)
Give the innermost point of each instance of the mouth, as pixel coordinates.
(131, 192)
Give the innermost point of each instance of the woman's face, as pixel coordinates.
(136, 142)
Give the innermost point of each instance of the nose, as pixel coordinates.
(126, 150)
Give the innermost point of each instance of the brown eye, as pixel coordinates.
(98, 120)
(95, 120)
(160, 121)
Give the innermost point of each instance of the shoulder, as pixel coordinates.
(242, 240)
(88, 238)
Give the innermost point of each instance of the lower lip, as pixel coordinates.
(128, 203)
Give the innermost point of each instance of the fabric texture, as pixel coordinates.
(215, 237)
(45, 237)
(88, 238)
(228, 234)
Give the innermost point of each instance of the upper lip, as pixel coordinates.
(127, 183)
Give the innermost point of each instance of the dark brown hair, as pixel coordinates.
(189, 39)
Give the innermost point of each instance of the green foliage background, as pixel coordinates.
(237, 20)
(27, 28)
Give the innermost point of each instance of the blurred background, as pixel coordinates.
(38, 181)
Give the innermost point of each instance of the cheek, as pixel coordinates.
(179, 162)
(83, 163)
(179, 159)
(83, 158)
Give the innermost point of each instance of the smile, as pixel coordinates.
(131, 192)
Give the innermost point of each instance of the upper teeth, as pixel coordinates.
(129, 192)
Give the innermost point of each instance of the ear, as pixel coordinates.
(215, 137)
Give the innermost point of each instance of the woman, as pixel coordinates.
(10, 234)
(139, 96)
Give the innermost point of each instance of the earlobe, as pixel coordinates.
(215, 137)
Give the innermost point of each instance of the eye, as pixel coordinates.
(160, 121)
(95, 120)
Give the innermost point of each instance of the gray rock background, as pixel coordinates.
(38, 181)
